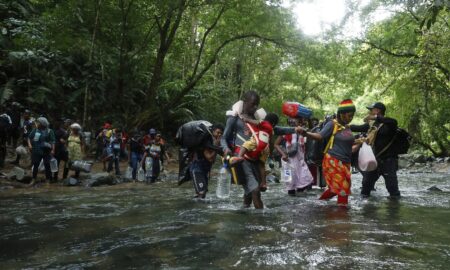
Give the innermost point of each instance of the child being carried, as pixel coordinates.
(257, 147)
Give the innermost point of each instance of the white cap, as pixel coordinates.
(75, 126)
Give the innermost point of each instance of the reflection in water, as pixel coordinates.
(338, 228)
(139, 226)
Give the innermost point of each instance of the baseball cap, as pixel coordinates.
(377, 105)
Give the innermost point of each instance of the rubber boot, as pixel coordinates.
(327, 195)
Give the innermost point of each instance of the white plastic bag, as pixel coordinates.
(129, 173)
(41, 167)
(286, 172)
(141, 174)
(366, 159)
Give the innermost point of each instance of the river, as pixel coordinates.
(160, 226)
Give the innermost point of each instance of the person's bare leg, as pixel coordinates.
(256, 197)
(262, 172)
(247, 200)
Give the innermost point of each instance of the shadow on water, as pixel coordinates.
(160, 226)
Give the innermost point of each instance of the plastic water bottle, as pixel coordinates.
(53, 165)
(141, 175)
(286, 172)
(223, 184)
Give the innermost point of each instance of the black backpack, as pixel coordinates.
(315, 149)
(194, 134)
(402, 141)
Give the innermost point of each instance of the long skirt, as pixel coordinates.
(337, 175)
(301, 176)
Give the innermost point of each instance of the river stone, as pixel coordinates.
(419, 158)
(71, 182)
(404, 162)
(99, 179)
(434, 188)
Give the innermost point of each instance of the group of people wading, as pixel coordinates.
(245, 144)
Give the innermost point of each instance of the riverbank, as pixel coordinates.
(408, 164)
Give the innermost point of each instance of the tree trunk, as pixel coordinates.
(91, 52)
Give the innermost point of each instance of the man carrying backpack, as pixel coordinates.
(381, 132)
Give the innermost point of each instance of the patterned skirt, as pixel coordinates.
(337, 175)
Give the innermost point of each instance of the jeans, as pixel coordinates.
(114, 160)
(134, 163)
(36, 160)
(386, 168)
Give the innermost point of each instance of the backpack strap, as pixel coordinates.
(373, 133)
(336, 127)
(387, 146)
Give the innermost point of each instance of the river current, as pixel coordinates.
(161, 226)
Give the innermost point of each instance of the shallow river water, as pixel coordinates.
(160, 226)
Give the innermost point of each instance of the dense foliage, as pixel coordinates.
(160, 63)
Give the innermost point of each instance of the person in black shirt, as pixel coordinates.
(61, 135)
(135, 152)
(381, 131)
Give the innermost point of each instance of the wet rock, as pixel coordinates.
(405, 161)
(20, 220)
(419, 158)
(18, 173)
(434, 188)
(71, 182)
(99, 179)
(6, 187)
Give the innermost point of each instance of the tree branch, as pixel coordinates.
(194, 80)
(205, 35)
(396, 54)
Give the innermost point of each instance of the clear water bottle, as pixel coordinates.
(286, 172)
(141, 175)
(223, 184)
(53, 165)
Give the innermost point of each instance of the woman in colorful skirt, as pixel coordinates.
(295, 155)
(338, 152)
